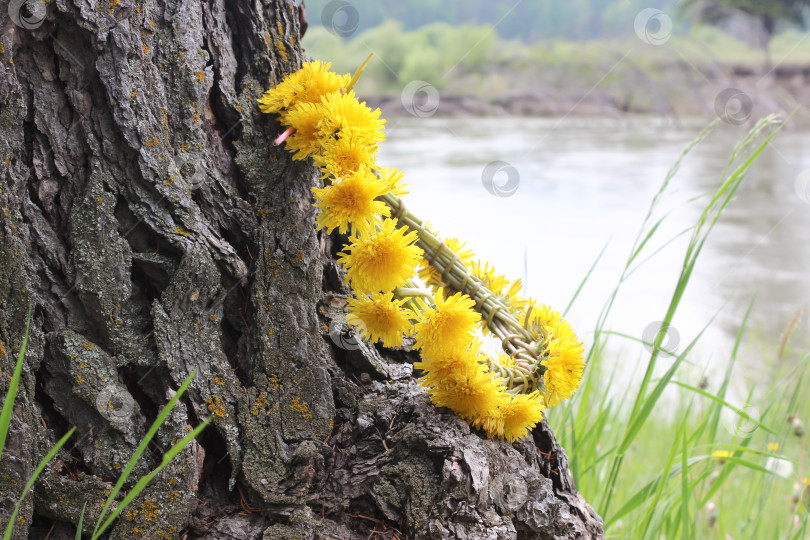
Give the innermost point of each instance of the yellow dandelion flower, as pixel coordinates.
(471, 393)
(506, 361)
(343, 156)
(306, 85)
(380, 317)
(544, 321)
(448, 325)
(439, 368)
(381, 261)
(564, 367)
(306, 119)
(514, 300)
(393, 177)
(516, 418)
(492, 280)
(351, 200)
(722, 455)
(346, 117)
(433, 277)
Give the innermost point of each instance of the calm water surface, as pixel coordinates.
(587, 184)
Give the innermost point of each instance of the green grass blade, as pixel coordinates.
(11, 395)
(684, 490)
(80, 525)
(726, 404)
(142, 447)
(144, 480)
(585, 279)
(42, 464)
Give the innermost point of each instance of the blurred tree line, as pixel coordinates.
(478, 48)
(528, 20)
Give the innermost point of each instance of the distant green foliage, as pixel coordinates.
(429, 54)
(527, 21)
(769, 13)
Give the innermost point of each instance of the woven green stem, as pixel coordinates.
(517, 342)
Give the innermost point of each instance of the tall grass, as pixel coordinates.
(101, 525)
(5, 422)
(655, 474)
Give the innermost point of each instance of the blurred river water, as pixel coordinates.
(583, 184)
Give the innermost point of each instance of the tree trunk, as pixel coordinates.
(155, 229)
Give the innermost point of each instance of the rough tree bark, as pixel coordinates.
(155, 229)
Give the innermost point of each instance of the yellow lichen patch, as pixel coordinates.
(79, 379)
(281, 49)
(201, 76)
(151, 142)
(144, 47)
(298, 406)
(184, 147)
(219, 381)
(98, 200)
(261, 401)
(2, 48)
(170, 180)
(196, 118)
(181, 231)
(89, 346)
(212, 402)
